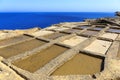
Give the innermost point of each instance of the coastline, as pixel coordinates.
(74, 37)
(45, 19)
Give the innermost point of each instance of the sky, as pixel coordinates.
(59, 5)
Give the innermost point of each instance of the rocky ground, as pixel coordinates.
(111, 72)
(11, 33)
(6, 73)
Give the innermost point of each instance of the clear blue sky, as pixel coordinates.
(59, 5)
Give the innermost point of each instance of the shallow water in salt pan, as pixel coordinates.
(54, 35)
(19, 48)
(114, 30)
(81, 64)
(90, 33)
(72, 30)
(38, 60)
(14, 40)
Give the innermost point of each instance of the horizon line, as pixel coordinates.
(54, 11)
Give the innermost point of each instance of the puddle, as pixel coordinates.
(74, 40)
(72, 30)
(90, 33)
(98, 46)
(98, 28)
(83, 27)
(16, 49)
(114, 30)
(81, 64)
(54, 35)
(13, 40)
(112, 36)
(38, 60)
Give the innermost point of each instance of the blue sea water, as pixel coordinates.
(44, 19)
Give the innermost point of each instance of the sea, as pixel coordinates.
(25, 20)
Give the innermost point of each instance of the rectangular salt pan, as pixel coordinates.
(98, 46)
(74, 40)
(13, 40)
(38, 60)
(81, 64)
(90, 33)
(16, 49)
(114, 30)
(72, 30)
(98, 28)
(83, 27)
(61, 29)
(42, 33)
(57, 28)
(54, 35)
(112, 36)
